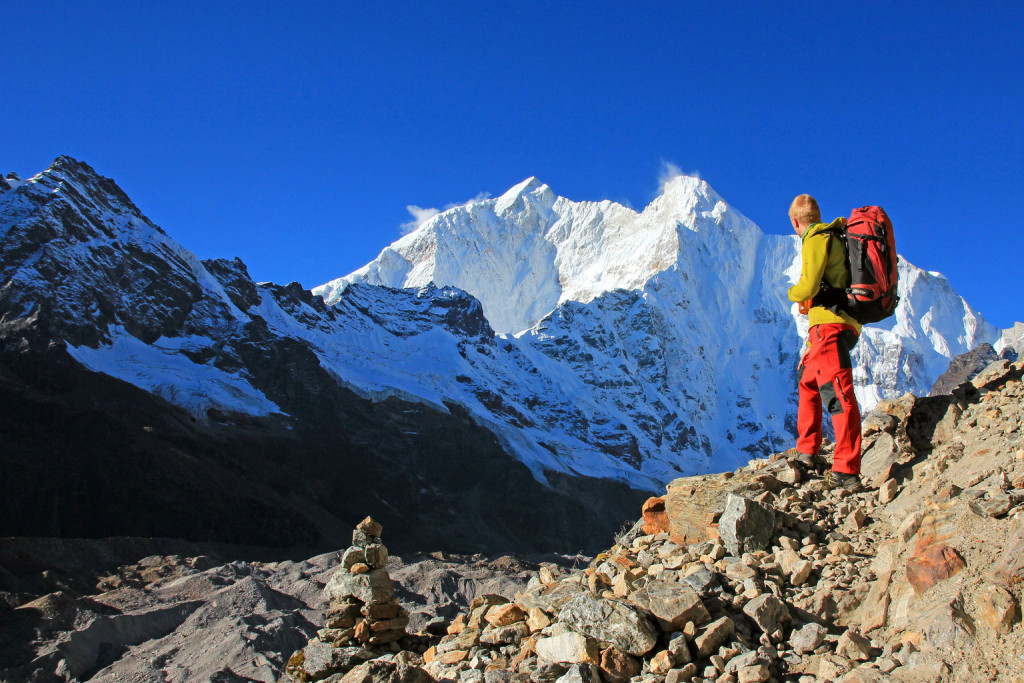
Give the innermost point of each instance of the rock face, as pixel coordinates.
(694, 504)
(963, 368)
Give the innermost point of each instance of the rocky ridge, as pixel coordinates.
(767, 574)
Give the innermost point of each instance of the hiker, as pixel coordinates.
(826, 372)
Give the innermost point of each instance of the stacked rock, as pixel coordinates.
(364, 621)
(363, 607)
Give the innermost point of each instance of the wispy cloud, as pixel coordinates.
(670, 171)
(419, 217)
(479, 198)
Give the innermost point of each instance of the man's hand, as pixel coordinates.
(803, 356)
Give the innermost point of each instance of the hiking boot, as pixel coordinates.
(805, 459)
(842, 480)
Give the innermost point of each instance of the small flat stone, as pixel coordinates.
(854, 646)
(807, 638)
(713, 635)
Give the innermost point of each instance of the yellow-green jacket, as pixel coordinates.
(822, 260)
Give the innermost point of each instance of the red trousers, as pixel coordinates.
(826, 380)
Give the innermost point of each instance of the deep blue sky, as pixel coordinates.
(294, 135)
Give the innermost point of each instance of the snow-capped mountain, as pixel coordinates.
(664, 338)
(592, 340)
(147, 392)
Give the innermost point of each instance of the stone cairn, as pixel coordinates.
(364, 619)
(363, 608)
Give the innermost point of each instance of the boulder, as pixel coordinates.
(948, 628)
(755, 673)
(503, 615)
(702, 580)
(680, 649)
(866, 674)
(874, 609)
(933, 560)
(580, 673)
(568, 647)
(548, 672)
(655, 517)
(370, 527)
(807, 638)
(549, 597)
(887, 491)
(617, 666)
(693, 503)
(537, 619)
(882, 456)
(683, 675)
(831, 667)
(376, 555)
(512, 634)
(933, 564)
(352, 556)
(612, 621)
(662, 663)
(319, 660)
(746, 525)
(995, 504)
(854, 646)
(768, 612)
(671, 604)
(741, 661)
(997, 607)
(382, 671)
(796, 568)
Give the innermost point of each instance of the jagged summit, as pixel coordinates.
(529, 251)
(77, 184)
(530, 190)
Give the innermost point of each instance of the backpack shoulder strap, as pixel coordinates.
(829, 296)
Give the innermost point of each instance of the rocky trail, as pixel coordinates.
(760, 574)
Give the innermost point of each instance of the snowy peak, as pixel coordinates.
(698, 207)
(528, 251)
(128, 276)
(529, 192)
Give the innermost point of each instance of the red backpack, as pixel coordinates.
(871, 254)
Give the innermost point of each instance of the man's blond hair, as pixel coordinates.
(805, 210)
